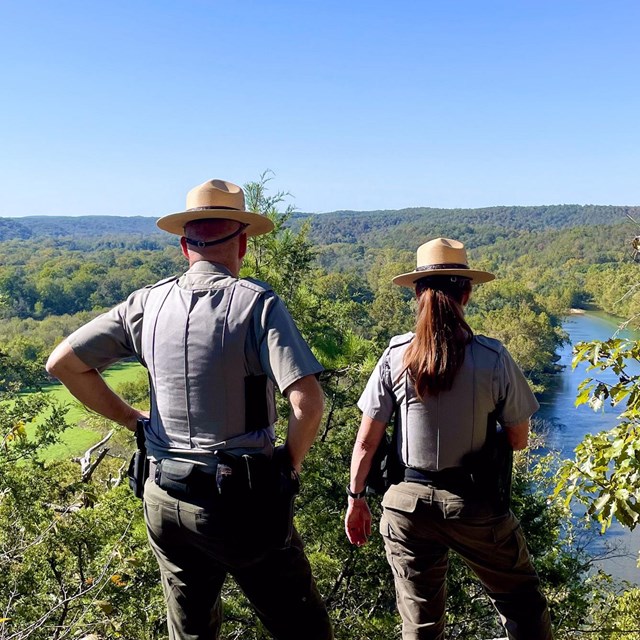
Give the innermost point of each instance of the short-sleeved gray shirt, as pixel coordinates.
(436, 433)
(282, 352)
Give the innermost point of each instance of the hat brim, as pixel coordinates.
(175, 222)
(476, 277)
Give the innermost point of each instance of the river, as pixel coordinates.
(569, 424)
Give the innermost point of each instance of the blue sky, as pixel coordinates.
(120, 107)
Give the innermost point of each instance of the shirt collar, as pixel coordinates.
(203, 266)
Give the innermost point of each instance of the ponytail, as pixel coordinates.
(437, 352)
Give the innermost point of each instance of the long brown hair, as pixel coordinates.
(437, 352)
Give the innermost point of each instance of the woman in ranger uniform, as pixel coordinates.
(448, 387)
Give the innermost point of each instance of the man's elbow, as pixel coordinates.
(53, 366)
(306, 397)
(520, 444)
(518, 436)
(59, 362)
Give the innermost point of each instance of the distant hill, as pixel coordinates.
(76, 226)
(370, 227)
(475, 226)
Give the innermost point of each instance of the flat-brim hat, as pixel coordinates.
(216, 199)
(442, 257)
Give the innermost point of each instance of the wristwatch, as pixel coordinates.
(356, 496)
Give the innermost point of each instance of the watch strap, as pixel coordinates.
(356, 496)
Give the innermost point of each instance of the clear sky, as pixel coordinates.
(120, 107)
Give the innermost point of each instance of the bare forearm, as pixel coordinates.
(300, 437)
(89, 387)
(93, 392)
(307, 402)
(369, 436)
(358, 517)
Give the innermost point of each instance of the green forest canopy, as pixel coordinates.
(334, 272)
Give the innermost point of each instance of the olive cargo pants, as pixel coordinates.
(197, 542)
(421, 523)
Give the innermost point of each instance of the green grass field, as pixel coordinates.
(77, 438)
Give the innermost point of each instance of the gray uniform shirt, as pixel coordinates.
(436, 434)
(197, 395)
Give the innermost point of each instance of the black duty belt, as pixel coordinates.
(226, 475)
(234, 476)
(453, 479)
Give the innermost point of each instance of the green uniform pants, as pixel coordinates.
(421, 523)
(197, 542)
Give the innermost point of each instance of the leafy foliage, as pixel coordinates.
(605, 474)
(617, 616)
(73, 555)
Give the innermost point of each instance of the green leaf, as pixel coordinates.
(105, 606)
(583, 396)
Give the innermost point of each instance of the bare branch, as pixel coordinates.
(86, 465)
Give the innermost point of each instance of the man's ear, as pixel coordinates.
(242, 246)
(183, 246)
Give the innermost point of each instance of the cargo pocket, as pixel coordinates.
(395, 528)
(396, 505)
(398, 500)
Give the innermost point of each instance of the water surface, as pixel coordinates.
(569, 424)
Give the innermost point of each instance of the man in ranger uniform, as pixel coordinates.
(219, 496)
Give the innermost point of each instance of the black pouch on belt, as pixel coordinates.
(173, 476)
(491, 468)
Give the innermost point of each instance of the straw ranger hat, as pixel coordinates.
(216, 199)
(442, 257)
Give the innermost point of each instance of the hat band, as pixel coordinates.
(437, 267)
(214, 207)
(202, 244)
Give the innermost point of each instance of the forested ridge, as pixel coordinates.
(73, 554)
(338, 226)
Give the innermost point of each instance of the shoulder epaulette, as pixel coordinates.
(255, 285)
(148, 287)
(489, 343)
(398, 341)
(161, 282)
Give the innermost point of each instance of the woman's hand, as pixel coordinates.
(357, 522)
